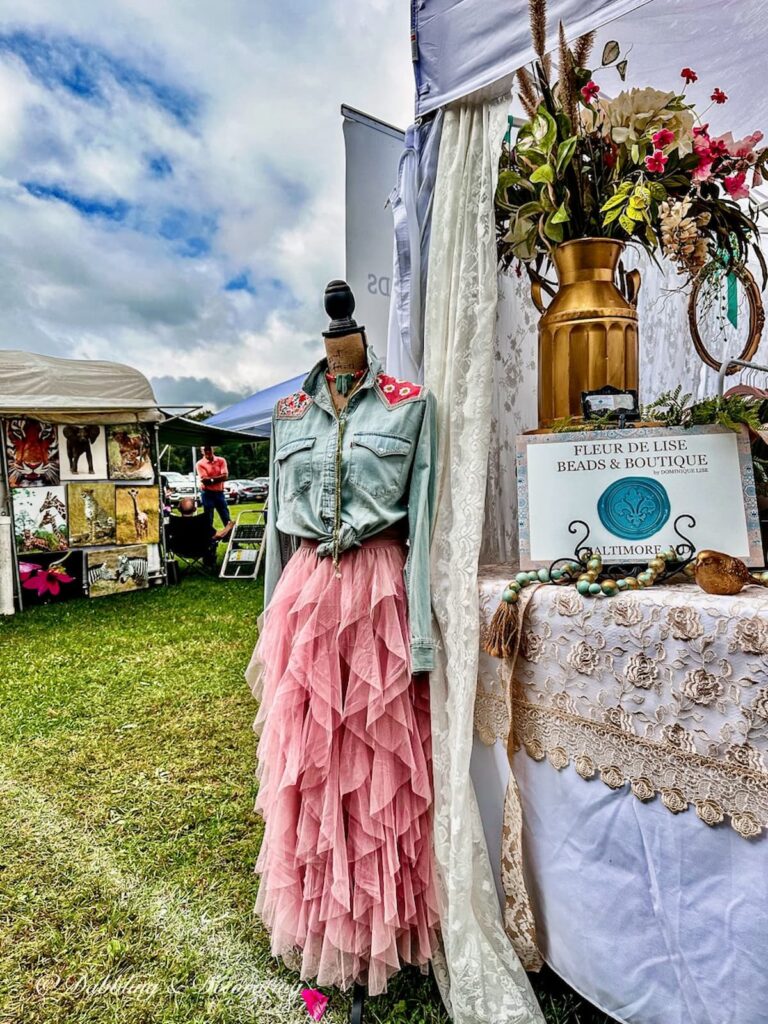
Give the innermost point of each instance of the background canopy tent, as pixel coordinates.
(73, 389)
(254, 414)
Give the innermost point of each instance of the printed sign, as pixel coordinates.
(630, 487)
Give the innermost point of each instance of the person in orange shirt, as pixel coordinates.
(212, 472)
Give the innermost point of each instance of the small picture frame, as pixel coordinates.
(615, 403)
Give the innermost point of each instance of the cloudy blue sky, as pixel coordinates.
(171, 178)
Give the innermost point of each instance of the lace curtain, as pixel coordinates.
(481, 978)
(667, 358)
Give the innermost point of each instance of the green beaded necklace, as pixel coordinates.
(586, 573)
(501, 636)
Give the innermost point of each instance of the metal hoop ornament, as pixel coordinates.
(756, 317)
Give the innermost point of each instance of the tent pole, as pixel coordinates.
(194, 472)
(161, 505)
(9, 493)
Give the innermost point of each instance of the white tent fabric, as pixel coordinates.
(482, 979)
(62, 390)
(468, 47)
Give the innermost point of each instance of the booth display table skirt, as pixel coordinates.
(347, 888)
(638, 740)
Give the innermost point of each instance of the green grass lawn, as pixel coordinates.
(127, 832)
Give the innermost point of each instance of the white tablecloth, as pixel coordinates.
(655, 917)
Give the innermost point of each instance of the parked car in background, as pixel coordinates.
(181, 487)
(232, 489)
(255, 490)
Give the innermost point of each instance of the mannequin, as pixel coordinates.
(347, 878)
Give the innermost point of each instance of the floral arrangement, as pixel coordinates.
(641, 166)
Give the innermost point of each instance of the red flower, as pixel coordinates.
(699, 130)
(734, 186)
(718, 147)
(689, 75)
(718, 96)
(655, 163)
(44, 581)
(662, 138)
(590, 91)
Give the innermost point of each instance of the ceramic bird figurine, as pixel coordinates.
(718, 573)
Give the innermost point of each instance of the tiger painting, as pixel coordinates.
(32, 449)
(129, 451)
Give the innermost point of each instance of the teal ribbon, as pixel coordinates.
(344, 382)
(733, 300)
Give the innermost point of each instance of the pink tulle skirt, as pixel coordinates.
(347, 889)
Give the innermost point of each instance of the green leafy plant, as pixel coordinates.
(675, 409)
(639, 167)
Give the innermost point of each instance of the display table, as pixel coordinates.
(638, 727)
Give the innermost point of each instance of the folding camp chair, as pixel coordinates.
(189, 539)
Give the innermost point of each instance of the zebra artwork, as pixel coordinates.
(117, 571)
(99, 572)
(136, 569)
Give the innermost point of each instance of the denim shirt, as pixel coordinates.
(342, 478)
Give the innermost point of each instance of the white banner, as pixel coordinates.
(373, 151)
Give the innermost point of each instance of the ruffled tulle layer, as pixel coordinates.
(345, 789)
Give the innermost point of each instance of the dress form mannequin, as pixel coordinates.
(345, 345)
(346, 354)
(345, 349)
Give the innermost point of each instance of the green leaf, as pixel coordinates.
(621, 67)
(529, 210)
(634, 214)
(627, 224)
(509, 178)
(657, 190)
(544, 130)
(611, 52)
(650, 236)
(565, 153)
(542, 174)
(619, 199)
(553, 230)
(635, 153)
(561, 215)
(611, 216)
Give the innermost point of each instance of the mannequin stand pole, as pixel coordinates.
(358, 1001)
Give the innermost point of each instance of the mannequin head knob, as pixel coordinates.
(340, 305)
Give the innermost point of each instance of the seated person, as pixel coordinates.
(192, 536)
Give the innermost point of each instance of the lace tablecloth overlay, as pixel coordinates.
(662, 690)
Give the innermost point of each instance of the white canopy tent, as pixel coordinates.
(472, 334)
(65, 389)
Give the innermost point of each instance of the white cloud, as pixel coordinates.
(257, 175)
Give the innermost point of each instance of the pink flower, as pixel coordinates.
(655, 163)
(734, 186)
(44, 581)
(699, 130)
(689, 75)
(590, 91)
(717, 147)
(315, 1002)
(742, 148)
(662, 138)
(718, 96)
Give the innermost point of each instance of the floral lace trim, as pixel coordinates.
(519, 922)
(492, 716)
(714, 788)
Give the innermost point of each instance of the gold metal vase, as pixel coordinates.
(588, 333)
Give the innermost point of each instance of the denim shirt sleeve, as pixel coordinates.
(421, 504)
(273, 554)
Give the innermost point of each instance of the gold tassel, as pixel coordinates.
(500, 639)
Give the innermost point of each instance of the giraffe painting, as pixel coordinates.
(138, 519)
